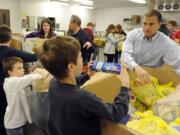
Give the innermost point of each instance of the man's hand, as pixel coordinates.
(124, 76)
(87, 45)
(142, 74)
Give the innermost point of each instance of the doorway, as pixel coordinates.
(4, 17)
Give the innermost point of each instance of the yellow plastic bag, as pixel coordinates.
(146, 93)
(176, 124)
(139, 105)
(119, 46)
(166, 89)
(99, 41)
(148, 124)
(149, 93)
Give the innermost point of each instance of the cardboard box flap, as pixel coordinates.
(104, 85)
(110, 128)
(164, 74)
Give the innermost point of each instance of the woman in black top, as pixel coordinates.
(45, 30)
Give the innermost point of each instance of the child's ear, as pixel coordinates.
(70, 66)
(9, 72)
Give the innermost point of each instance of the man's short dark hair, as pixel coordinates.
(154, 13)
(5, 34)
(8, 63)
(57, 53)
(76, 19)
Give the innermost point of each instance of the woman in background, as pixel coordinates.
(122, 35)
(119, 30)
(45, 31)
(111, 43)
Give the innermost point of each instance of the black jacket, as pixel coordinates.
(83, 37)
(73, 111)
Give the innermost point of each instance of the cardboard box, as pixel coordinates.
(33, 44)
(106, 86)
(110, 128)
(16, 44)
(164, 74)
(42, 85)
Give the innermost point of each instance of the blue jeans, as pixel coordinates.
(17, 131)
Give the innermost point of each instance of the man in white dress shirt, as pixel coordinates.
(147, 46)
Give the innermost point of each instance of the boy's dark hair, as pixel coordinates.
(9, 62)
(5, 33)
(57, 53)
(154, 13)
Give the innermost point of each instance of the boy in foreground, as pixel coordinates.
(17, 112)
(72, 110)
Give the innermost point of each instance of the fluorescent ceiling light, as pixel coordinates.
(139, 1)
(88, 7)
(61, 2)
(85, 2)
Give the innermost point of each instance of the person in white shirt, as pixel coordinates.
(17, 112)
(148, 47)
(110, 48)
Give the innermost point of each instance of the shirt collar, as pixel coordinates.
(151, 38)
(77, 31)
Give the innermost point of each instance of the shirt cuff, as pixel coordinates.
(132, 65)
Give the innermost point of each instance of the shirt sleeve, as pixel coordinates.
(127, 51)
(92, 106)
(113, 39)
(32, 35)
(175, 34)
(82, 78)
(27, 57)
(172, 55)
(22, 82)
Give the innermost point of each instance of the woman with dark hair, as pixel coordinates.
(119, 30)
(122, 35)
(45, 30)
(111, 43)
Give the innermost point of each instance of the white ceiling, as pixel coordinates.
(107, 3)
(115, 3)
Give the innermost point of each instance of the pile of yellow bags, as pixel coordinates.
(149, 124)
(147, 94)
(99, 41)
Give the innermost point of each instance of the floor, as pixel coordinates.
(34, 130)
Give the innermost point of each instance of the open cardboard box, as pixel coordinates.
(106, 86)
(33, 44)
